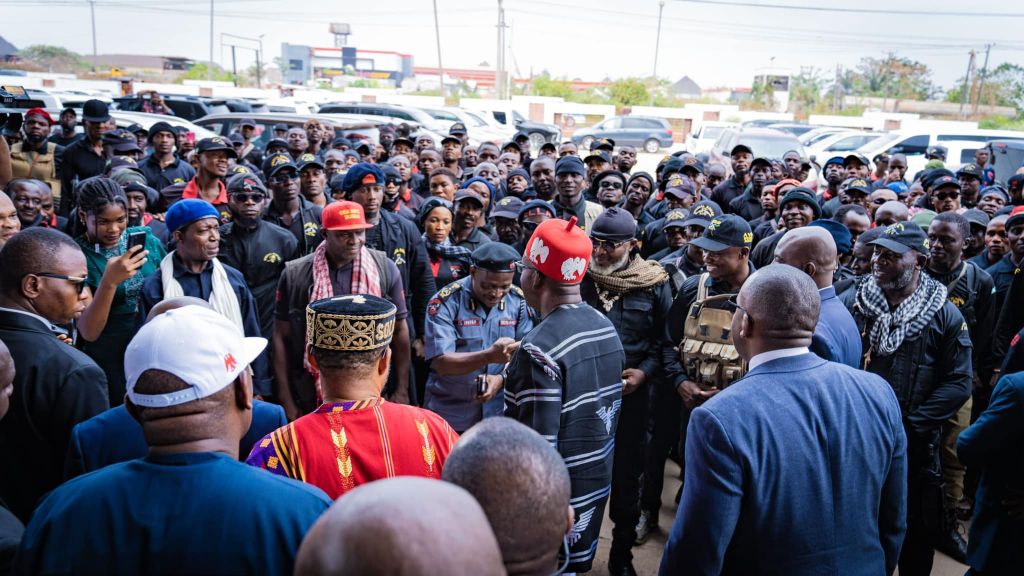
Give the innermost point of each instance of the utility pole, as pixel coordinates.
(657, 45)
(234, 66)
(836, 90)
(92, 11)
(259, 64)
(981, 81)
(437, 34)
(500, 79)
(209, 71)
(967, 77)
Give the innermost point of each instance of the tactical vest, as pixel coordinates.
(707, 351)
(40, 167)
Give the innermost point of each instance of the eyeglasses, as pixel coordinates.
(733, 304)
(606, 245)
(393, 181)
(285, 178)
(78, 281)
(521, 265)
(610, 184)
(947, 195)
(242, 197)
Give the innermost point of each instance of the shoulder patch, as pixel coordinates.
(449, 290)
(517, 291)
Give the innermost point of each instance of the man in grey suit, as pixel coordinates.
(800, 466)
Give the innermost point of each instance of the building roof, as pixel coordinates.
(686, 86)
(131, 60)
(6, 48)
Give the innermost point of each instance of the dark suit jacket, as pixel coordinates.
(798, 468)
(836, 336)
(114, 436)
(55, 387)
(994, 444)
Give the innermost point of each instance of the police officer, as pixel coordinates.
(726, 245)
(473, 325)
(635, 295)
(396, 237)
(288, 209)
(256, 248)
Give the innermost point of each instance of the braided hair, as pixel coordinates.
(97, 193)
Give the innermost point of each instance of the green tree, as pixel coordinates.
(629, 92)
(200, 70)
(889, 77)
(1003, 86)
(805, 90)
(545, 85)
(54, 58)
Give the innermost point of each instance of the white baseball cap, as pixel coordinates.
(196, 344)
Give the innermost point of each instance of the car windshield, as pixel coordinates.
(443, 115)
(771, 146)
(479, 121)
(712, 132)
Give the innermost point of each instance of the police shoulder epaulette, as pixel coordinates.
(517, 291)
(449, 290)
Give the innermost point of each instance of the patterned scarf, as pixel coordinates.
(449, 251)
(638, 275)
(365, 280)
(890, 328)
(223, 298)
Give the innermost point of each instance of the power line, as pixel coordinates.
(855, 10)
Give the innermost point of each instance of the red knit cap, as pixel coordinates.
(560, 250)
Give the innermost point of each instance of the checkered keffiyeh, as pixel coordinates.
(889, 328)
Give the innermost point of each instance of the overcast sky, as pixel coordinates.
(714, 43)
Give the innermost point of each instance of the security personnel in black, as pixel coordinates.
(288, 209)
(399, 239)
(635, 295)
(689, 260)
(969, 289)
(726, 245)
(918, 341)
(256, 248)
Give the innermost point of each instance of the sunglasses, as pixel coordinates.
(607, 245)
(78, 281)
(521, 265)
(732, 305)
(242, 197)
(947, 195)
(393, 181)
(612, 185)
(285, 178)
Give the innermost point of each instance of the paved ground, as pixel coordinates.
(646, 558)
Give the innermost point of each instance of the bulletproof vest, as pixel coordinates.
(707, 350)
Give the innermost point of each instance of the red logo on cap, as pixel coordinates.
(229, 363)
(369, 179)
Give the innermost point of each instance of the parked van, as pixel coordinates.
(914, 143)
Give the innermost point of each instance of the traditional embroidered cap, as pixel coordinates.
(353, 323)
(344, 215)
(362, 174)
(614, 224)
(559, 250)
(726, 231)
(495, 257)
(188, 210)
(903, 237)
(168, 343)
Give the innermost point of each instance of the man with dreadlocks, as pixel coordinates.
(918, 341)
(635, 295)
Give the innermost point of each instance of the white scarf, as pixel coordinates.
(222, 299)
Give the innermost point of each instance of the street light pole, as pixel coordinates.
(259, 64)
(209, 70)
(92, 11)
(657, 46)
(437, 34)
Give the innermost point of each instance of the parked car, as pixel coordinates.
(840, 143)
(477, 128)
(187, 107)
(703, 136)
(1007, 157)
(391, 112)
(647, 132)
(762, 141)
(795, 128)
(125, 119)
(539, 132)
(225, 124)
(818, 134)
(914, 143)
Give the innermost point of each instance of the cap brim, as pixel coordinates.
(709, 244)
(1014, 220)
(509, 215)
(696, 222)
(349, 227)
(891, 245)
(96, 118)
(231, 151)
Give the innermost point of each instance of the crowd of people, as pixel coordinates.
(217, 357)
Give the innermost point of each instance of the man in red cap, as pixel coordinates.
(565, 380)
(341, 265)
(34, 157)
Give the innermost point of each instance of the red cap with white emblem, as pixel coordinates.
(560, 250)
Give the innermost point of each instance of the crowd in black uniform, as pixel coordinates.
(663, 244)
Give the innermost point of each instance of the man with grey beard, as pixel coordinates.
(918, 341)
(635, 295)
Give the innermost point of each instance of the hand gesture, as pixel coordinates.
(501, 351)
(632, 378)
(123, 267)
